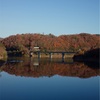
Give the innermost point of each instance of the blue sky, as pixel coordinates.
(49, 16)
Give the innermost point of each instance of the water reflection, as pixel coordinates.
(33, 67)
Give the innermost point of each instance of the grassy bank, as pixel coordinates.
(3, 53)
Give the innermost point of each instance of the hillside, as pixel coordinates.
(76, 42)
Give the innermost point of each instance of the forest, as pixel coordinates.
(23, 43)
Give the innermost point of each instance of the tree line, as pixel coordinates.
(25, 42)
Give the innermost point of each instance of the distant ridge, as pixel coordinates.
(1, 38)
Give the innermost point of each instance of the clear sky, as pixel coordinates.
(49, 16)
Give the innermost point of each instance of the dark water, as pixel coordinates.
(45, 79)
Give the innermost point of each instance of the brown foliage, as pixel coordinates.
(25, 42)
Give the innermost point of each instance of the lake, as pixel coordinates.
(48, 79)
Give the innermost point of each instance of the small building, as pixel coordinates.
(36, 49)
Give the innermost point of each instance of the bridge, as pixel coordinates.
(51, 53)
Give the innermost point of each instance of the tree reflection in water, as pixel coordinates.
(31, 67)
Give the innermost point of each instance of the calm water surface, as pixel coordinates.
(45, 79)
